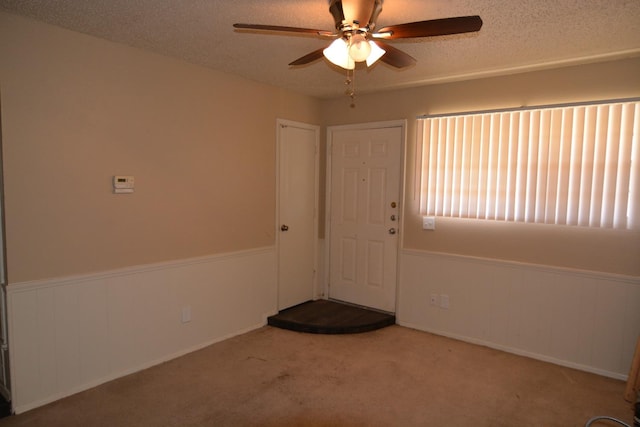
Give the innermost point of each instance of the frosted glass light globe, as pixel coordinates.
(359, 49)
(338, 53)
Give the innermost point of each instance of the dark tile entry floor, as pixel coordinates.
(330, 317)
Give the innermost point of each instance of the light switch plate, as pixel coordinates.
(428, 223)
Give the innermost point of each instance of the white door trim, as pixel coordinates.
(327, 230)
(281, 124)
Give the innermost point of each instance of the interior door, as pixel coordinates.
(364, 218)
(297, 212)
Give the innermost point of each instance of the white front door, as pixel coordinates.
(364, 218)
(297, 212)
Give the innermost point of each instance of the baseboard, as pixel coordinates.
(518, 352)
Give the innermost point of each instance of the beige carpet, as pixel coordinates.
(390, 377)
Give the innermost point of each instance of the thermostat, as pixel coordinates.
(123, 184)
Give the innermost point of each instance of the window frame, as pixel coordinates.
(447, 149)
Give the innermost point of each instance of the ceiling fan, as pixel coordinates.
(356, 37)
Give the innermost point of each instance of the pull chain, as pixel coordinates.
(351, 89)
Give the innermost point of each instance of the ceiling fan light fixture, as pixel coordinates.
(359, 48)
(376, 53)
(338, 54)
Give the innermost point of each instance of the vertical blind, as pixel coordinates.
(573, 165)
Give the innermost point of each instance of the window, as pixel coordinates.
(571, 165)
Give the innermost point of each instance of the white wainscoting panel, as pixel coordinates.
(70, 334)
(581, 319)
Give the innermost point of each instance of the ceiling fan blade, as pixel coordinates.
(433, 27)
(284, 29)
(308, 58)
(395, 57)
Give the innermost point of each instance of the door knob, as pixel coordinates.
(284, 227)
(393, 218)
(392, 231)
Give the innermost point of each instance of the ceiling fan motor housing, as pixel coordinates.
(355, 15)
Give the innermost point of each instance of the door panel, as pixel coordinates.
(297, 212)
(350, 195)
(376, 199)
(365, 193)
(375, 263)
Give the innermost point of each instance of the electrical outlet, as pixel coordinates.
(435, 299)
(444, 301)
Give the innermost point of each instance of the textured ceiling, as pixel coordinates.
(516, 35)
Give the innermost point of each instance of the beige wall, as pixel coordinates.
(77, 110)
(599, 250)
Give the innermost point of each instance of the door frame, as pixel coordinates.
(402, 124)
(5, 365)
(280, 125)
